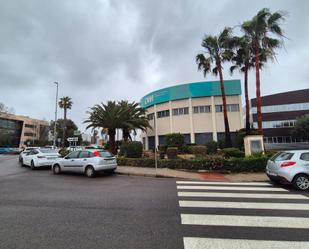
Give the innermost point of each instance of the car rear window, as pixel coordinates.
(105, 154)
(47, 151)
(282, 156)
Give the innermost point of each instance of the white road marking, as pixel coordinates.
(245, 221)
(232, 188)
(242, 195)
(210, 243)
(244, 205)
(226, 183)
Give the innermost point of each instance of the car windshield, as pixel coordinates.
(282, 156)
(47, 151)
(105, 154)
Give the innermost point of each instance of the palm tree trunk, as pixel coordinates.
(228, 141)
(64, 126)
(112, 134)
(258, 90)
(247, 101)
(125, 134)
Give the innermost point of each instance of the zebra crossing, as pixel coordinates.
(242, 215)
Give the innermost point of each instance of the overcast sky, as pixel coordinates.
(103, 50)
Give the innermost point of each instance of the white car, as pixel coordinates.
(24, 152)
(86, 161)
(290, 166)
(40, 157)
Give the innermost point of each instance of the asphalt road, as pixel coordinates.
(42, 210)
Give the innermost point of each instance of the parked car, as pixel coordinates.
(40, 157)
(290, 166)
(24, 152)
(86, 161)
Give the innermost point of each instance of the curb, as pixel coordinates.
(145, 175)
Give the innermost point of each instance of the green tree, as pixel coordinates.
(263, 30)
(175, 140)
(71, 127)
(218, 49)
(133, 118)
(301, 128)
(65, 103)
(244, 60)
(106, 116)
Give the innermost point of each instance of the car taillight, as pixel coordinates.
(96, 153)
(287, 164)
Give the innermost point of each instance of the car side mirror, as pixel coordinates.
(66, 157)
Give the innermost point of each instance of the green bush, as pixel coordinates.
(199, 150)
(175, 140)
(131, 149)
(214, 162)
(212, 147)
(221, 144)
(63, 152)
(232, 152)
(162, 147)
(172, 152)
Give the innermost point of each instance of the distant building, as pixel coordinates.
(279, 113)
(194, 110)
(16, 130)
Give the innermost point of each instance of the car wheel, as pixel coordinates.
(301, 182)
(56, 169)
(32, 165)
(89, 172)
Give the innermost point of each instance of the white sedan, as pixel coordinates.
(40, 157)
(86, 161)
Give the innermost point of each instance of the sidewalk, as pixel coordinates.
(202, 176)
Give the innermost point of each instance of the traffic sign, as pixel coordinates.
(72, 139)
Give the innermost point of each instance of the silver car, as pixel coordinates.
(86, 161)
(290, 166)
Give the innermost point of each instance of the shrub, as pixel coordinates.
(172, 152)
(212, 147)
(63, 152)
(132, 149)
(213, 162)
(175, 140)
(199, 150)
(162, 147)
(221, 144)
(232, 152)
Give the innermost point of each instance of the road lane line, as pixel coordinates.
(244, 205)
(243, 195)
(210, 243)
(225, 183)
(233, 188)
(245, 221)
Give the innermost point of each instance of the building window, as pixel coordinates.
(30, 126)
(29, 134)
(202, 109)
(283, 108)
(229, 107)
(163, 114)
(180, 111)
(150, 116)
(276, 124)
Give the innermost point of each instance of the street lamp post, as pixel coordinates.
(55, 123)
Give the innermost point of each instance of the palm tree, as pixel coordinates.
(134, 117)
(259, 29)
(244, 60)
(217, 51)
(65, 103)
(106, 116)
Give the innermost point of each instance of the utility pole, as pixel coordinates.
(55, 123)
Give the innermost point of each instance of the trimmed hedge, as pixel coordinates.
(248, 164)
(199, 150)
(133, 149)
